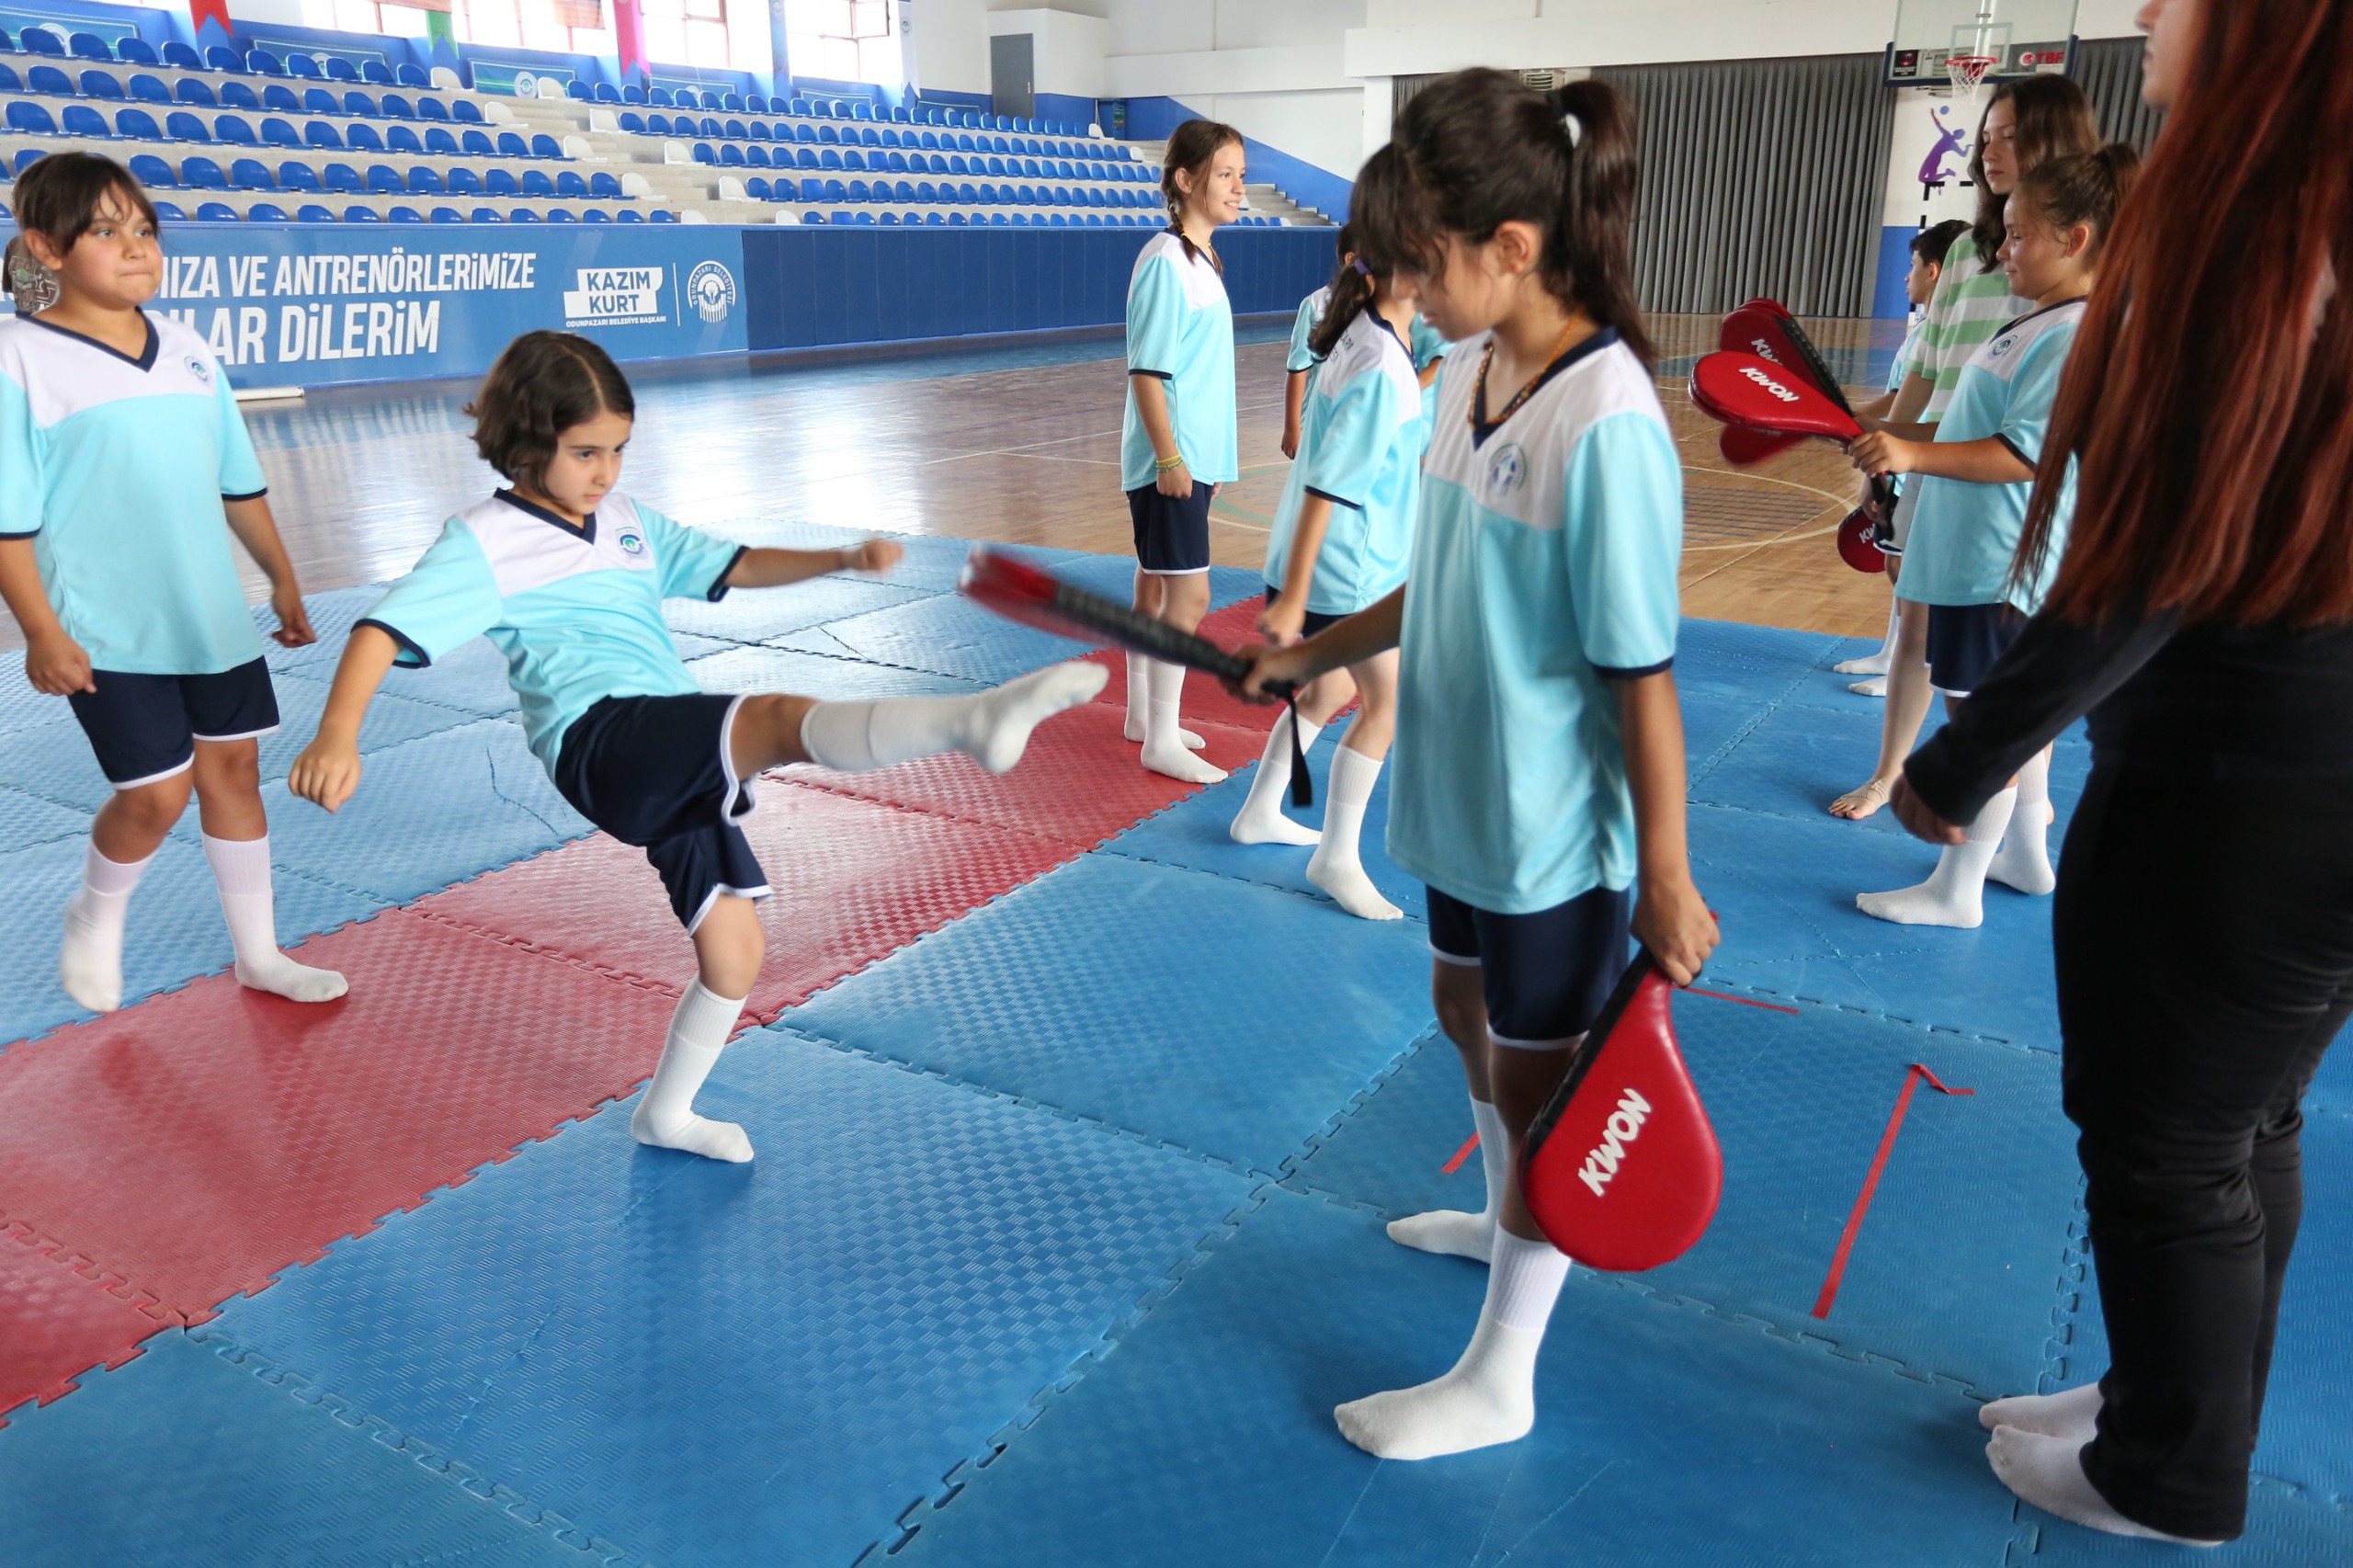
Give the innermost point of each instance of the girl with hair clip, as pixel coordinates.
(1343, 534)
(1539, 776)
(2202, 615)
(1177, 442)
(1977, 471)
(2026, 121)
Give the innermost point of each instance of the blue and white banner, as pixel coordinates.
(296, 305)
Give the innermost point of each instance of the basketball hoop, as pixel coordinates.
(1967, 72)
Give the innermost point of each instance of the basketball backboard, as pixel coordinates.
(2022, 37)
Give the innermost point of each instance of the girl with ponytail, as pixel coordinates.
(1342, 534)
(1178, 440)
(1537, 780)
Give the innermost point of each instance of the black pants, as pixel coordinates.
(2204, 936)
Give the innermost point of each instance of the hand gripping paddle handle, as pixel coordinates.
(1019, 591)
(1621, 1170)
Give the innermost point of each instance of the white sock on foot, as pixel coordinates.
(1164, 751)
(1139, 705)
(1875, 662)
(240, 873)
(666, 1117)
(2049, 1472)
(2023, 859)
(1875, 686)
(2070, 1413)
(1334, 866)
(1954, 894)
(89, 959)
(1458, 1233)
(1261, 819)
(1489, 1396)
(991, 727)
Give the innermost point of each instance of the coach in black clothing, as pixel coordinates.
(2203, 617)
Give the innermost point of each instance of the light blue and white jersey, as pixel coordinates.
(1427, 344)
(1544, 566)
(1901, 365)
(1311, 310)
(1180, 328)
(1361, 443)
(576, 611)
(116, 467)
(1964, 536)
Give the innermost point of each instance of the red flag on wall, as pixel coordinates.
(629, 38)
(216, 12)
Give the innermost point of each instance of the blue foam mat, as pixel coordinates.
(21, 707)
(946, 634)
(750, 615)
(332, 615)
(226, 1467)
(1662, 1436)
(1235, 1029)
(763, 1363)
(1192, 834)
(173, 932)
(752, 669)
(1784, 891)
(27, 819)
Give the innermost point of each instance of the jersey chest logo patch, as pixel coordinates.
(1507, 470)
(199, 368)
(632, 543)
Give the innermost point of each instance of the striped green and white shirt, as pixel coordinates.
(1971, 305)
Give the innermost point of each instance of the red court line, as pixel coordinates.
(1460, 1154)
(1744, 1001)
(1912, 1077)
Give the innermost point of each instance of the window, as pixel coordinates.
(560, 27)
(396, 19)
(843, 41)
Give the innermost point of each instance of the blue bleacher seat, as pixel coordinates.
(595, 215)
(412, 76)
(135, 51)
(603, 185)
(295, 175)
(797, 107)
(216, 212)
(235, 129)
(447, 215)
(202, 174)
(391, 105)
(440, 143)
(315, 100)
(170, 211)
(464, 181)
(632, 122)
(219, 57)
(523, 215)
(400, 139)
(956, 221)
(903, 191)
(465, 110)
(313, 214)
(138, 125)
(659, 124)
(926, 191)
(338, 69)
(499, 182)
(181, 56)
(424, 181)
(343, 177)
(967, 195)
(384, 181)
(605, 92)
(577, 89)
(891, 218)
(853, 159)
(630, 215)
(705, 154)
(757, 190)
(990, 196)
(265, 212)
(148, 170)
(49, 81)
(101, 85)
(710, 99)
(375, 71)
(356, 102)
(261, 63)
(561, 215)
(149, 89)
(182, 126)
(662, 215)
(477, 144)
(732, 103)
(431, 107)
(250, 173)
(633, 93)
(277, 133)
(535, 183)
(363, 138)
(758, 131)
(485, 215)
(731, 156)
(305, 67)
(236, 95)
(661, 97)
(41, 40)
(735, 130)
(859, 192)
(362, 215)
(81, 120)
(403, 214)
(319, 134)
(542, 146)
(569, 184)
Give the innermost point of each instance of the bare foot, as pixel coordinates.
(1857, 804)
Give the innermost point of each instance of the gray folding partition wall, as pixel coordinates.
(2109, 69)
(1759, 176)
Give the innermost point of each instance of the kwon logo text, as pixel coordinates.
(1768, 383)
(1624, 1126)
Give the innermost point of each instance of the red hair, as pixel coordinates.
(2208, 397)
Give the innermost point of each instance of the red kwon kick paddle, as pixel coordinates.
(1621, 1171)
(1764, 329)
(1742, 447)
(1858, 542)
(1743, 389)
(1019, 591)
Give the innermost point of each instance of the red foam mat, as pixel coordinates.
(1079, 782)
(1204, 698)
(61, 1316)
(202, 1142)
(853, 880)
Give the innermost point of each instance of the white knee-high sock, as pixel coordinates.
(1261, 819)
(241, 874)
(1335, 866)
(1459, 1233)
(665, 1117)
(1489, 1397)
(2023, 859)
(1140, 704)
(1954, 894)
(991, 727)
(1164, 747)
(1876, 662)
(89, 959)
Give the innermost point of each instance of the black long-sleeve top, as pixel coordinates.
(2223, 701)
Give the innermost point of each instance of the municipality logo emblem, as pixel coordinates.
(1507, 469)
(199, 368)
(710, 289)
(2000, 346)
(632, 542)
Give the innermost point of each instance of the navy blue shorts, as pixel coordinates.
(654, 771)
(1311, 622)
(1171, 536)
(144, 728)
(1547, 975)
(1965, 641)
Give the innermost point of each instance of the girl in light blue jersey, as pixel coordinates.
(1976, 470)
(1178, 440)
(1538, 778)
(128, 468)
(566, 576)
(1299, 363)
(1342, 536)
